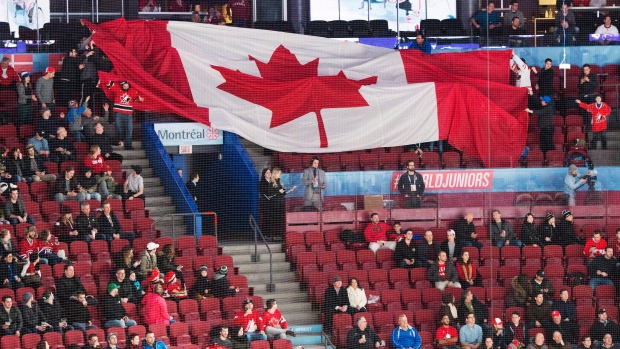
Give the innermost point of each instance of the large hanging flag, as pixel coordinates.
(294, 93)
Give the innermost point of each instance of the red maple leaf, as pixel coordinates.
(291, 89)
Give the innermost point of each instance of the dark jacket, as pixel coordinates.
(405, 252)
(496, 230)
(60, 184)
(67, 287)
(457, 249)
(14, 165)
(8, 208)
(405, 182)
(511, 330)
(106, 228)
(545, 115)
(84, 224)
(566, 234)
(569, 330)
(355, 334)
(126, 290)
(451, 274)
(31, 316)
(77, 312)
(112, 308)
(14, 316)
(500, 341)
(587, 88)
(423, 250)
(463, 230)
(199, 287)
(333, 299)
(567, 309)
(540, 313)
(27, 169)
(546, 230)
(60, 143)
(219, 287)
(545, 82)
(53, 312)
(529, 234)
(540, 288)
(603, 264)
(104, 142)
(599, 330)
(165, 264)
(5, 272)
(480, 311)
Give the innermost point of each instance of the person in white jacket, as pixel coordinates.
(357, 297)
(518, 66)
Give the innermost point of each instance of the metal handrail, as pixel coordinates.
(186, 214)
(271, 287)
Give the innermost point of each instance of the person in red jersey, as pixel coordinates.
(274, 323)
(251, 321)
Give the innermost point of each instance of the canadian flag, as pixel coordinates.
(295, 93)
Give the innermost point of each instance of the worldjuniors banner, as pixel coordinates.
(451, 180)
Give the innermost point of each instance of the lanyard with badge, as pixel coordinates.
(412, 185)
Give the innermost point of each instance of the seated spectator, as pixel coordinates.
(405, 252)
(201, 287)
(40, 144)
(251, 321)
(443, 273)
(114, 312)
(110, 227)
(568, 329)
(94, 160)
(47, 126)
(502, 233)
(15, 165)
(69, 286)
(470, 333)
(467, 271)
(603, 326)
(87, 224)
(448, 308)
(567, 235)
(219, 284)
(15, 209)
(34, 169)
(149, 342)
(558, 342)
(30, 244)
(89, 121)
(602, 269)
(606, 29)
(615, 244)
(90, 185)
(487, 22)
(74, 118)
(595, 246)
(49, 249)
(376, 234)
(468, 302)
(565, 306)
(498, 335)
(547, 230)
(336, 301)
(61, 147)
(363, 337)
(33, 319)
(427, 251)
(466, 233)
(107, 186)
(148, 260)
(65, 228)
(608, 343)
(172, 287)
(156, 311)
(9, 272)
(7, 243)
(78, 314)
(516, 330)
(31, 274)
(54, 313)
(112, 339)
(538, 343)
(222, 337)
(275, 324)
(396, 234)
(451, 247)
(446, 335)
(165, 261)
(529, 233)
(538, 312)
(124, 260)
(134, 185)
(541, 284)
(11, 318)
(357, 297)
(136, 291)
(513, 32)
(586, 342)
(196, 17)
(404, 336)
(101, 139)
(68, 187)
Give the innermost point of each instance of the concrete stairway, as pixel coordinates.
(292, 302)
(257, 153)
(609, 157)
(157, 202)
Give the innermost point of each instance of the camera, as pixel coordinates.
(593, 176)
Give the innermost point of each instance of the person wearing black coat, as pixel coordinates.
(202, 286)
(362, 337)
(405, 253)
(547, 230)
(9, 272)
(113, 310)
(111, 226)
(466, 231)
(566, 228)
(336, 300)
(480, 310)
(69, 285)
(54, 313)
(427, 249)
(529, 233)
(545, 122)
(85, 223)
(219, 285)
(32, 316)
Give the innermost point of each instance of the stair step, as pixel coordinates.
(264, 257)
(152, 182)
(132, 154)
(161, 210)
(261, 288)
(256, 278)
(134, 144)
(263, 268)
(150, 191)
(142, 162)
(158, 200)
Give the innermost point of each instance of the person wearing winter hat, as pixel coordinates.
(569, 329)
(173, 287)
(251, 321)
(74, 117)
(545, 122)
(114, 312)
(500, 339)
(148, 260)
(25, 96)
(566, 229)
(548, 230)
(542, 284)
(572, 182)
(219, 285)
(33, 319)
(202, 286)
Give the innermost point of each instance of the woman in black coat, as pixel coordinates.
(274, 214)
(529, 233)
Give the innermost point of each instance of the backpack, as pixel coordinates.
(576, 279)
(349, 236)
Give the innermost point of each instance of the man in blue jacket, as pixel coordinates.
(405, 336)
(149, 342)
